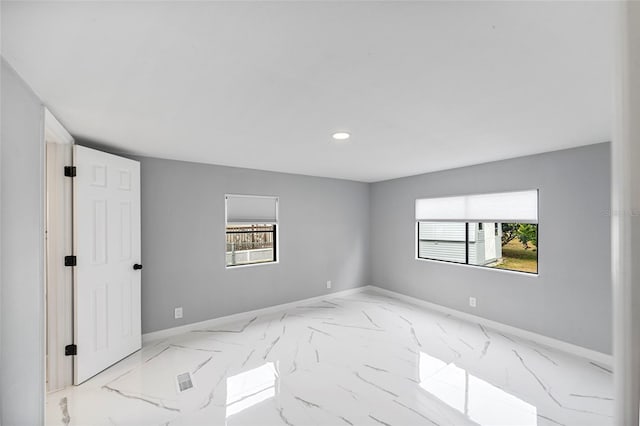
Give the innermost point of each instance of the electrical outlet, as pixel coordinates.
(177, 313)
(473, 302)
(328, 284)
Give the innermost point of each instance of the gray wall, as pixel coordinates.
(323, 235)
(570, 300)
(21, 265)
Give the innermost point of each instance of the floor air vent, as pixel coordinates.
(184, 382)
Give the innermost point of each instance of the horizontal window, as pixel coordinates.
(502, 245)
(249, 244)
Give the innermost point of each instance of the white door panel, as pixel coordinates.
(107, 316)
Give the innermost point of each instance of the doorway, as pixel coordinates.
(93, 259)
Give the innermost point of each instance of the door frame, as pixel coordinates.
(58, 279)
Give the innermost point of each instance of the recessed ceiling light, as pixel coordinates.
(341, 136)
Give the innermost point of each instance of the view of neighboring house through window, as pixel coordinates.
(442, 241)
(251, 230)
(460, 230)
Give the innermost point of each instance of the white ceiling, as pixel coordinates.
(422, 86)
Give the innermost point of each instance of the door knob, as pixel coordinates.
(137, 266)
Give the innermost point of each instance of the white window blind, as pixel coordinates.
(243, 209)
(520, 206)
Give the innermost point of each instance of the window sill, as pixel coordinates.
(251, 264)
(479, 267)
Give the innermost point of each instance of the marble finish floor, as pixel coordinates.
(362, 359)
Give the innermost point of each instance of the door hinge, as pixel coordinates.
(70, 350)
(70, 261)
(70, 171)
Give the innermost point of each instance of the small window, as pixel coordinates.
(251, 230)
(480, 227)
(248, 244)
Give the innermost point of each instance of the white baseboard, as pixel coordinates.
(549, 342)
(168, 332)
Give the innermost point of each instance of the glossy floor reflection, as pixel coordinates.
(364, 359)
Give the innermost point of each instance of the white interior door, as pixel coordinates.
(106, 197)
